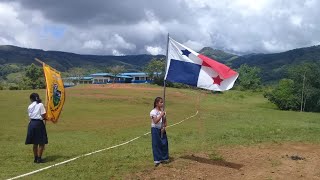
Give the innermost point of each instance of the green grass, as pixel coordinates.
(93, 119)
(215, 156)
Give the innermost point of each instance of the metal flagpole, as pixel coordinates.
(164, 88)
(164, 81)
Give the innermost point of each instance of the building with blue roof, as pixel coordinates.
(105, 78)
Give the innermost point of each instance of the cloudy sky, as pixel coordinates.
(122, 27)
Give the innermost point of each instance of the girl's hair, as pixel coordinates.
(35, 97)
(156, 101)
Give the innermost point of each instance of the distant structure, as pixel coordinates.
(105, 78)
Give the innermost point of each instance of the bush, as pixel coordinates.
(13, 87)
(34, 78)
(159, 81)
(301, 91)
(249, 78)
(284, 95)
(179, 85)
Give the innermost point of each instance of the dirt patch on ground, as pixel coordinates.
(276, 161)
(117, 86)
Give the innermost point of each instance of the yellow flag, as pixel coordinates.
(55, 93)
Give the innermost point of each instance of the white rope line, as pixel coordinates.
(88, 154)
(183, 120)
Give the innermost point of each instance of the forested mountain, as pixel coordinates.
(273, 66)
(64, 61)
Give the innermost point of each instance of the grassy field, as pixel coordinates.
(98, 117)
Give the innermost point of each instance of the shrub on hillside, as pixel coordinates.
(249, 78)
(284, 96)
(13, 87)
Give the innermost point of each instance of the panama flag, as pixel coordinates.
(189, 67)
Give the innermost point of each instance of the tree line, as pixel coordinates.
(298, 91)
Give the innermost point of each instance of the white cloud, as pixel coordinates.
(296, 20)
(113, 27)
(250, 6)
(93, 44)
(117, 41)
(154, 50)
(116, 53)
(4, 41)
(10, 25)
(194, 45)
(9, 16)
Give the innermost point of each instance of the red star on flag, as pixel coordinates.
(217, 80)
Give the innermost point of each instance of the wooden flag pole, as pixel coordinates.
(39, 61)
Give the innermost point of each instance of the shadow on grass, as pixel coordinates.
(55, 157)
(213, 162)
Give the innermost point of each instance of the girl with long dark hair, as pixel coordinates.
(159, 142)
(37, 133)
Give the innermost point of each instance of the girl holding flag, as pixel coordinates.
(37, 134)
(159, 137)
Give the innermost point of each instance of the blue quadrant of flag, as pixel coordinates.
(183, 72)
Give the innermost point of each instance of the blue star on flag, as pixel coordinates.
(185, 52)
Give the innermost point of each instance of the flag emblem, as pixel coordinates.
(56, 95)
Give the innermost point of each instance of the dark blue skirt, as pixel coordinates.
(37, 133)
(159, 146)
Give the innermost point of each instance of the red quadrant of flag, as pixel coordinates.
(222, 70)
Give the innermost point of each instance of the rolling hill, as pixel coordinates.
(64, 60)
(273, 66)
(219, 55)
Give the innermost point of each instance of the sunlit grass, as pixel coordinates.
(96, 118)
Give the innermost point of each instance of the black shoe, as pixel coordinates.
(39, 160)
(156, 164)
(35, 159)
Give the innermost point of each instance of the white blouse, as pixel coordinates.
(36, 110)
(155, 113)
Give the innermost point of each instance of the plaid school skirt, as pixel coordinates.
(37, 133)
